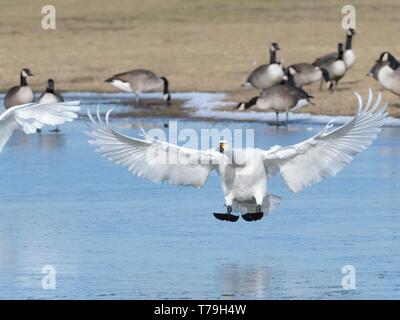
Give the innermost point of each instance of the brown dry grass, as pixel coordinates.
(206, 45)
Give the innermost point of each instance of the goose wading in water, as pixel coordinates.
(282, 97)
(33, 116)
(244, 172)
(140, 80)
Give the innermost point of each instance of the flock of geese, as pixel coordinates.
(243, 172)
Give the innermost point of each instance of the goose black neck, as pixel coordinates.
(23, 81)
(348, 41)
(272, 54)
(251, 102)
(290, 80)
(393, 63)
(166, 85)
(340, 54)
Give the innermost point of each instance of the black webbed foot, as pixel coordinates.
(226, 216)
(252, 216)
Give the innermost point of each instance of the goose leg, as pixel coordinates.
(56, 129)
(277, 118)
(321, 83)
(331, 87)
(254, 216)
(137, 98)
(287, 117)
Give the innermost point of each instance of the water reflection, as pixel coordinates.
(243, 281)
(51, 141)
(43, 140)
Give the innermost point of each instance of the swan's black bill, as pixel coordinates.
(253, 216)
(226, 217)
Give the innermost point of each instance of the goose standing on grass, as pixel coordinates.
(335, 67)
(387, 72)
(21, 94)
(283, 97)
(51, 96)
(349, 56)
(33, 116)
(244, 173)
(266, 75)
(138, 81)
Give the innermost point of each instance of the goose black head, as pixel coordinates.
(388, 57)
(166, 93)
(245, 105)
(50, 86)
(272, 50)
(275, 46)
(25, 72)
(351, 32)
(384, 56)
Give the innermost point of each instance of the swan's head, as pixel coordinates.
(223, 146)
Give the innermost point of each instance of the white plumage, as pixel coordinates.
(32, 116)
(244, 172)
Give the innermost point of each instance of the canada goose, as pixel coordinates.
(349, 56)
(388, 72)
(138, 81)
(279, 98)
(335, 66)
(306, 73)
(266, 75)
(51, 96)
(376, 67)
(21, 94)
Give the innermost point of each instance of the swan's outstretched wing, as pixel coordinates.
(328, 152)
(33, 116)
(155, 160)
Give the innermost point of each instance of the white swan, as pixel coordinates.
(33, 116)
(244, 172)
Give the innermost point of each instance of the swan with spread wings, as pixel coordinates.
(33, 116)
(244, 172)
